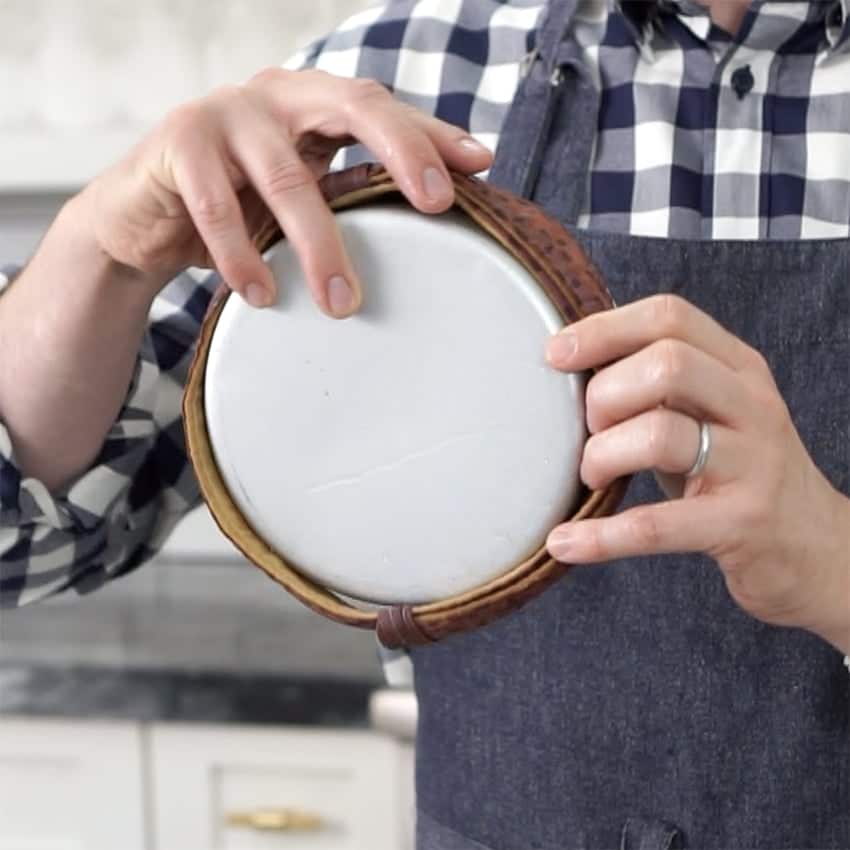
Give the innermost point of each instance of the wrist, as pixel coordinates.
(838, 636)
(833, 620)
(76, 229)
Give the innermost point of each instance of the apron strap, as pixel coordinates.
(547, 139)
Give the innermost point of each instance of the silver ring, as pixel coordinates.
(704, 451)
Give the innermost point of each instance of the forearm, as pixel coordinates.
(70, 330)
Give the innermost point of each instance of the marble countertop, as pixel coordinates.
(202, 642)
(81, 692)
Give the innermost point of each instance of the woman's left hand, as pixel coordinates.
(778, 530)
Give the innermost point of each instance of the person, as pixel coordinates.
(699, 153)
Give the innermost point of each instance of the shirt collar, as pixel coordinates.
(642, 16)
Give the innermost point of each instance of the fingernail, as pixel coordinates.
(437, 188)
(340, 296)
(561, 347)
(257, 296)
(472, 145)
(560, 543)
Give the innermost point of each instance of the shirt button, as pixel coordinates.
(743, 81)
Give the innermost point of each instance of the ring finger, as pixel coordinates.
(663, 440)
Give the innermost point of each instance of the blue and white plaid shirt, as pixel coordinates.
(699, 136)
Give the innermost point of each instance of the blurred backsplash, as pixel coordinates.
(81, 81)
(101, 63)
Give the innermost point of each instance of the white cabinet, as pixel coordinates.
(70, 786)
(395, 713)
(75, 785)
(228, 788)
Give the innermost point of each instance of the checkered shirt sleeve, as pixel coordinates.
(115, 515)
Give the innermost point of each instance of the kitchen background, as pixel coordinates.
(191, 705)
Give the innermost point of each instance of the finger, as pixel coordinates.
(289, 189)
(613, 334)
(661, 440)
(684, 525)
(364, 110)
(459, 150)
(404, 148)
(205, 187)
(672, 374)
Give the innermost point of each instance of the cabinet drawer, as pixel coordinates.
(215, 788)
(70, 786)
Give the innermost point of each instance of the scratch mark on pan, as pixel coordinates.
(392, 465)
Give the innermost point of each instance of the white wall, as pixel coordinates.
(81, 80)
(83, 63)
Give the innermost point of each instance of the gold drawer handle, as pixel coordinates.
(276, 820)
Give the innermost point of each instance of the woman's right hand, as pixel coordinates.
(210, 176)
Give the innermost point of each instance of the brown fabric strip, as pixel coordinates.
(397, 627)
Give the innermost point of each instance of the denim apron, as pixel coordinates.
(634, 705)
